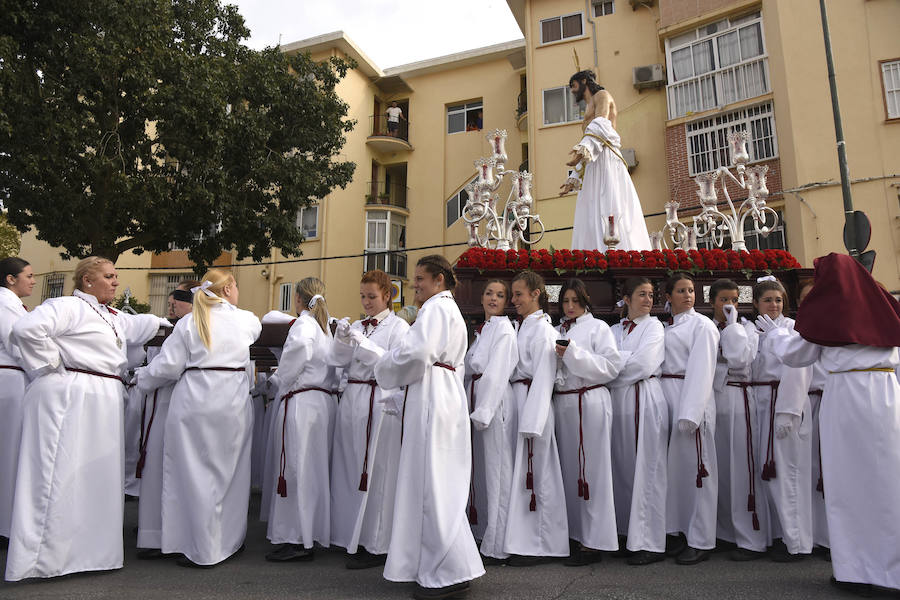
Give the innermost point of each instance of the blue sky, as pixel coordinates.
(388, 31)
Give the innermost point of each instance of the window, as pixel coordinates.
(464, 117)
(707, 139)
(717, 64)
(560, 28)
(560, 106)
(308, 221)
(775, 240)
(890, 80)
(285, 295)
(456, 205)
(385, 231)
(160, 288)
(53, 285)
(601, 9)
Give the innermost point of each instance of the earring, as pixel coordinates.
(90, 285)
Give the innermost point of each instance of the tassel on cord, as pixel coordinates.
(755, 522)
(364, 482)
(581, 488)
(820, 487)
(533, 505)
(587, 491)
(473, 515)
(282, 486)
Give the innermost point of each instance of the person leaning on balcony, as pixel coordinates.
(16, 282)
(859, 418)
(68, 505)
(394, 114)
(431, 541)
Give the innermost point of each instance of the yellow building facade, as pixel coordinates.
(683, 74)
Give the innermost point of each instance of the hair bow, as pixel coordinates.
(204, 287)
(314, 299)
(765, 278)
(620, 303)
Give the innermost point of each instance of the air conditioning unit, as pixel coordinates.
(630, 158)
(649, 76)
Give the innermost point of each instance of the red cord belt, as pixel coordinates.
(584, 490)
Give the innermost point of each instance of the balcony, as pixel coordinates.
(522, 111)
(382, 193)
(392, 262)
(382, 139)
(719, 88)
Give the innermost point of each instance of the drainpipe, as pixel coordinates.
(587, 12)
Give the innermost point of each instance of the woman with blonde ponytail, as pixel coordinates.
(206, 454)
(300, 503)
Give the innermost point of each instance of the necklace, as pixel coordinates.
(99, 314)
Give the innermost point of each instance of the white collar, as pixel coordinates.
(8, 297)
(90, 298)
(640, 319)
(444, 294)
(676, 319)
(381, 316)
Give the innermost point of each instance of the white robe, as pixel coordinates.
(493, 354)
(543, 531)
(68, 507)
(859, 425)
(431, 542)
(134, 415)
(736, 462)
(691, 346)
(12, 392)
(364, 518)
(307, 418)
(592, 358)
(639, 464)
(605, 189)
(206, 444)
(258, 399)
(154, 408)
(789, 496)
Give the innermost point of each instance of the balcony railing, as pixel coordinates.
(718, 88)
(389, 194)
(522, 107)
(381, 127)
(391, 262)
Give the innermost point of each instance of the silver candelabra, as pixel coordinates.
(711, 222)
(503, 230)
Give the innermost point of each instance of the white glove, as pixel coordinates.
(687, 426)
(343, 329)
(765, 323)
(165, 323)
(355, 337)
(392, 403)
(731, 314)
(785, 423)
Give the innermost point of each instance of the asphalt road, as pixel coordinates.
(250, 576)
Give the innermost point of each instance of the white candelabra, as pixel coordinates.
(713, 223)
(503, 230)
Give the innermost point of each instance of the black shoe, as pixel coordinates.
(780, 554)
(457, 590)
(290, 553)
(583, 557)
(364, 560)
(692, 556)
(491, 561)
(860, 589)
(827, 556)
(645, 557)
(744, 555)
(675, 544)
(724, 546)
(150, 554)
(4, 542)
(519, 560)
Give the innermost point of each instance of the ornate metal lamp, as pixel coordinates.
(503, 230)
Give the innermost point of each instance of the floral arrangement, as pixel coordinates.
(560, 261)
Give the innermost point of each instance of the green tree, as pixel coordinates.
(10, 241)
(135, 124)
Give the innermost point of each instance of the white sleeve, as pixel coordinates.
(138, 329)
(169, 364)
(791, 347)
(646, 359)
(699, 374)
(35, 332)
(408, 359)
(739, 342)
(793, 391)
(298, 350)
(494, 382)
(533, 418)
(598, 364)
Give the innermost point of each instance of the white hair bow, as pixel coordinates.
(668, 307)
(204, 287)
(765, 278)
(314, 299)
(620, 303)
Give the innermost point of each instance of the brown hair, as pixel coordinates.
(721, 285)
(379, 278)
(187, 284)
(501, 282)
(675, 278)
(577, 286)
(768, 285)
(434, 265)
(535, 282)
(306, 289)
(87, 266)
(630, 287)
(11, 266)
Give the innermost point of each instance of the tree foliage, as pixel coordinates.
(137, 124)
(10, 241)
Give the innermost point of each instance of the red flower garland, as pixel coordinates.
(485, 259)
